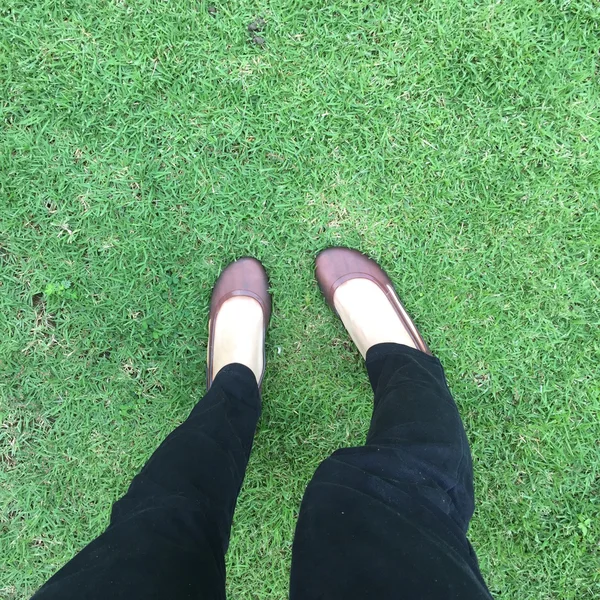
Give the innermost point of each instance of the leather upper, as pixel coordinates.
(244, 277)
(335, 266)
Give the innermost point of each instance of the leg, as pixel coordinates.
(168, 535)
(389, 519)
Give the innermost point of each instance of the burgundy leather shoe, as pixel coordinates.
(244, 277)
(335, 266)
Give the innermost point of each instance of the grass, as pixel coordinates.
(146, 144)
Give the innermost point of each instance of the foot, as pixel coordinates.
(239, 335)
(239, 314)
(358, 289)
(368, 315)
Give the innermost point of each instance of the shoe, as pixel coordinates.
(363, 296)
(240, 310)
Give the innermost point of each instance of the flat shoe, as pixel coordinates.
(335, 266)
(244, 277)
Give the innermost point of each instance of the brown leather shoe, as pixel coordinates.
(244, 277)
(335, 266)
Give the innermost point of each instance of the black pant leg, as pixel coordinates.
(168, 535)
(389, 519)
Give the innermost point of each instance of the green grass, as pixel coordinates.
(146, 144)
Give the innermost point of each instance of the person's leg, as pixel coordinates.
(168, 535)
(389, 519)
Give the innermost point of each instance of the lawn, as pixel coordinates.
(145, 144)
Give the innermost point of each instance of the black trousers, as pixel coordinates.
(385, 520)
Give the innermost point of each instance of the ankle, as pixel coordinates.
(239, 335)
(368, 315)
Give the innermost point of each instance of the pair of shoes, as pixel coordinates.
(353, 284)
